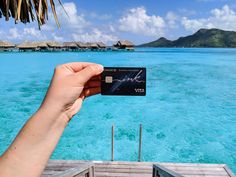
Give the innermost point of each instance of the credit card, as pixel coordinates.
(123, 81)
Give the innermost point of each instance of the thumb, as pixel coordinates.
(88, 72)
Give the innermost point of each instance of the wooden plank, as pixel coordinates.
(186, 172)
(196, 168)
(72, 173)
(61, 168)
(162, 171)
(110, 170)
(122, 175)
(68, 161)
(151, 163)
(230, 173)
(50, 173)
(55, 167)
(123, 171)
(133, 163)
(183, 172)
(185, 169)
(205, 176)
(139, 169)
(179, 168)
(150, 167)
(81, 170)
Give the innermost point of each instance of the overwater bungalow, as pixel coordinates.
(82, 46)
(6, 46)
(88, 45)
(55, 46)
(101, 45)
(93, 46)
(27, 46)
(124, 44)
(70, 46)
(42, 46)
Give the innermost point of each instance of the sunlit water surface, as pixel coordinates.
(188, 115)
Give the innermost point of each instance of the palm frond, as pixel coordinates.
(27, 11)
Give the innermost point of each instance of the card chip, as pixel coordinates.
(108, 79)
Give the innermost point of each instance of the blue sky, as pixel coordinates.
(136, 20)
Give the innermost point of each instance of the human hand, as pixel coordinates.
(33, 146)
(70, 85)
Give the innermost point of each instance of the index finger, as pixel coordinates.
(88, 72)
(77, 66)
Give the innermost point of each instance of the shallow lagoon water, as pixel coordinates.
(188, 115)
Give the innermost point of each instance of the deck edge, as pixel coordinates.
(229, 171)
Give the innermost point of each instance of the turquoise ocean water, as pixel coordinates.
(188, 115)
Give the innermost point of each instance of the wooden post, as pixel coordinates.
(140, 144)
(112, 143)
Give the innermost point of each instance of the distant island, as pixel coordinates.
(205, 38)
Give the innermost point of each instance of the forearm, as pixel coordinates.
(30, 151)
(33, 146)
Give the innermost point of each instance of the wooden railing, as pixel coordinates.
(85, 170)
(160, 171)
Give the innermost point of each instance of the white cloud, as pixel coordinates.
(57, 38)
(137, 21)
(100, 16)
(1, 34)
(34, 33)
(76, 27)
(111, 28)
(172, 19)
(224, 18)
(95, 36)
(16, 34)
(187, 12)
(71, 20)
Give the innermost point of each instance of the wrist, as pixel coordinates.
(53, 114)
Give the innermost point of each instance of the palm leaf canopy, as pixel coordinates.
(28, 10)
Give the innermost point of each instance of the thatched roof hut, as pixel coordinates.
(42, 46)
(22, 10)
(101, 45)
(88, 44)
(124, 44)
(4, 45)
(92, 45)
(27, 46)
(55, 45)
(82, 45)
(70, 45)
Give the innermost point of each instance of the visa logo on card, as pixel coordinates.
(123, 81)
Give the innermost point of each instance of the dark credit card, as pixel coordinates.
(123, 81)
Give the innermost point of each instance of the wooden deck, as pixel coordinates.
(136, 169)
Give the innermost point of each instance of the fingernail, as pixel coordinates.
(99, 67)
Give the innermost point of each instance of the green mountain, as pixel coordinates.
(162, 42)
(202, 38)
